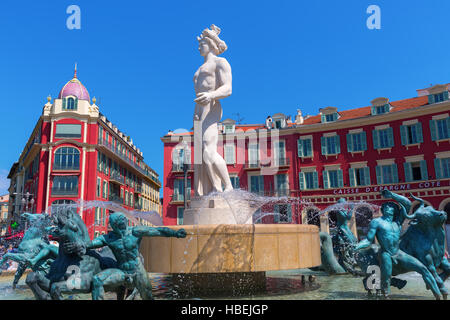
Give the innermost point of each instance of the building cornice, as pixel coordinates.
(337, 125)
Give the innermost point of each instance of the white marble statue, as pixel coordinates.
(212, 82)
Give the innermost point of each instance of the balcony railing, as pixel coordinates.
(116, 151)
(115, 198)
(137, 206)
(58, 166)
(178, 167)
(276, 193)
(138, 188)
(271, 163)
(180, 197)
(64, 192)
(116, 177)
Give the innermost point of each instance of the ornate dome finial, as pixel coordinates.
(75, 72)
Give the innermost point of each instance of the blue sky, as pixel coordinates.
(138, 59)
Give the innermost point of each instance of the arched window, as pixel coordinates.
(67, 158)
(70, 103)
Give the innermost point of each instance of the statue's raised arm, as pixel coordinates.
(143, 231)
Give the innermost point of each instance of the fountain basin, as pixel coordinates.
(228, 248)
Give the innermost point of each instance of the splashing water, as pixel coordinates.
(245, 205)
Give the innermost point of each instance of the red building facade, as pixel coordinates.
(403, 146)
(75, 153)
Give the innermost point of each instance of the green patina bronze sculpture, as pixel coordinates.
(33, 242)
(78, 268)
(124, 241)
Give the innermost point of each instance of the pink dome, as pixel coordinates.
(74, 88)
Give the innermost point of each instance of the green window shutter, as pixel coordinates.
(403, 135)
(433, 130)
(276, 210)
(387, 108)
(323, 118)
(424, 170)
(337, 140)
(376, 139)
(364, 140)
(64, 103)
(419, 132)
(176, 186)
(325, 179)
(289, 212)
(323, 142)
(437, 168)
(76, 103)
(316, 180)
(448, 127)
(391, 136)
(395, 173)
(408, 171)
(430, 99)
(300, 147)
(379, 176)
(445, 95)
(261, 184)
(374, 110)
(352, 177)
(340, 178)
(301, 179)
(367, 176)
(349, 143)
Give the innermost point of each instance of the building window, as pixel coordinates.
(416, 171)
(70, 104)
(257, 185)
(331, 117)
(279, 153)
(65, 185)
(331, 145)
(381, 109)
(97, 216)
(180, 215)
(359, 176)
(440, 129)
(235, 182)
(67, 158)
(253, 155)
(229, 153)
(411, 134)
(304, 147)
(283, 213)
(333, 179)
(383, 139)
(308, 180)
(282, 185)
(387, 174)
(105, 190)
(442, 167)
(68, 131)
(99, 187)
(438, 97)
(356, 142)
(178, 190)
(229, 128)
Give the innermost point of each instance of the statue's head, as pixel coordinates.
(209, 41)
(118, 221)
(390, 209)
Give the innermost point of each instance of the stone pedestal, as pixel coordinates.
(215, 211)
